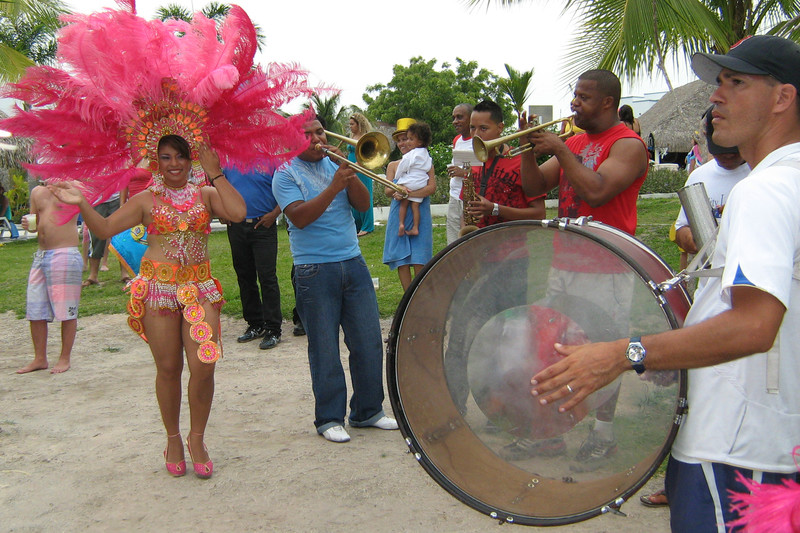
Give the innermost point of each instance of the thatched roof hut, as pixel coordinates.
(676, 117)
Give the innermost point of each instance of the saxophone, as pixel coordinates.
(469, 195)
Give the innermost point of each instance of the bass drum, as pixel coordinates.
(481, 319)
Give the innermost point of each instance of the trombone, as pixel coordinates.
(368, 173)
(483, 148)
(372, 149)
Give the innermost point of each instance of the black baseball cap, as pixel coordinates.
(764, 55)
(714, 148)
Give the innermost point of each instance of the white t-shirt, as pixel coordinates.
(746, 412)
(718, 183)
(412, 172)
(460, 143)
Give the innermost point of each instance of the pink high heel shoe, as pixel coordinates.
(174, 469)
(201, 470)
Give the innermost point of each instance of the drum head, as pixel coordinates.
(481, 320)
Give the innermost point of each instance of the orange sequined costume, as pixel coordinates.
(183, 285)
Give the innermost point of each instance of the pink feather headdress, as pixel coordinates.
(768, 508)
(127, 81)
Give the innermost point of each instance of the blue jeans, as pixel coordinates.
(330, 295)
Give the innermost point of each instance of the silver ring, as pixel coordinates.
(569, 388)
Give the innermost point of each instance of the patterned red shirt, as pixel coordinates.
(503, 186)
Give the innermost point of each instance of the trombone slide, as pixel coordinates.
(368, 173)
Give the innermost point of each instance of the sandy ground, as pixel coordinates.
(81, 451)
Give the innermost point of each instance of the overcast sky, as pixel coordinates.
(351, 44)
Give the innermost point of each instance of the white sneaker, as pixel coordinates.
(336, 434)
(385, 422)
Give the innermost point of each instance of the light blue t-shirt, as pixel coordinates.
(330, 238)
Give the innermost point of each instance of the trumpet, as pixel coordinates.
(368, 173)
(372, 149)
(483, 148)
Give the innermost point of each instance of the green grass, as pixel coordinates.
(655, 218)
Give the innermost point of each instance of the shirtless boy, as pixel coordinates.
(54, 283)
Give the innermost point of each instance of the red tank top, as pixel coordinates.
(620, 211)
(592, 150)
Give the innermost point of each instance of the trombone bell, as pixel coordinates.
(372, 149)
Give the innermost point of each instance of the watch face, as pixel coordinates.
(635, 352)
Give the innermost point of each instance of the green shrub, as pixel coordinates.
(19, 196)
(663, 181)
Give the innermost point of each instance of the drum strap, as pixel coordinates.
(698, 269)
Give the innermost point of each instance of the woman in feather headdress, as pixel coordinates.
(163, 92)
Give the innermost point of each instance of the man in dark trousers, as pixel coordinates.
(254, 248)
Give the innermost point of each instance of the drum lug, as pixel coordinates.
(683, 407)
(614, 508)
(500, 519)
(664, 286)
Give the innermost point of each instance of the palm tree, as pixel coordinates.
(173, 11)
(635, 37)
(213, 10)
(517, 87)
(331, 111)
(27, 35)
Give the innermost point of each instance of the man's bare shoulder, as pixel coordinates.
(629, 144)
(42, 195)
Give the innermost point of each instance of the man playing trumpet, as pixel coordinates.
(598, 173)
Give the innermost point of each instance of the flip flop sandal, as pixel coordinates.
(88, 282)
(647, 499)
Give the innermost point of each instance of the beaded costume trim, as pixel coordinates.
(175, 288)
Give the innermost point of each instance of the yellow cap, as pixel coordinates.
(402, 126)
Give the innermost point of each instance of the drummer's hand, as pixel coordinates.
(67, 192)
(586, 369)
(480, 207)
(209, 160)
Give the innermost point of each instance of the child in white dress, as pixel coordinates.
(412, 172)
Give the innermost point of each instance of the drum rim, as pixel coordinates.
(412, 440)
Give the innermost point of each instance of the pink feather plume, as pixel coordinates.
(115, 62)
(767, 508)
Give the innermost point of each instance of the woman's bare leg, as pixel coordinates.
(404, 273)
(201, 385)
(164, 336)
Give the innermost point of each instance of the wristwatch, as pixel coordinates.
(496, 210)
(636, 354)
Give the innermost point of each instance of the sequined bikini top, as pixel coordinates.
(183, 227)
(167, 219)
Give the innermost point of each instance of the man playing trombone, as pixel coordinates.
(598, 173)
(334, 287)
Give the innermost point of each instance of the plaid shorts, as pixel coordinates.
(54, 284)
